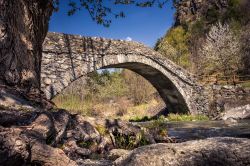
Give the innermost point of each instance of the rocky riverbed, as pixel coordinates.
(56, 137)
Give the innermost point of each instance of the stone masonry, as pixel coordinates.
(66, 58)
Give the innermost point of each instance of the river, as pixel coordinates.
(185, 131)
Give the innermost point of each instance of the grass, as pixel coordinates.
(172, 118)
(157, 123)
(2, 107)
(101, 129)
(186, 117)
(139, 119)
(74, 104)
(130, 141)
(85, 144)
(245, 84)
(140, 112)
(121, 108)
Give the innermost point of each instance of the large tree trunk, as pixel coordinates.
(23, 27)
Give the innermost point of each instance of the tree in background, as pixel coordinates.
(194, 20)
(245, 50)
(220, 52)
(175, 46)
(139, 89)
(163, 47)
(109, 91)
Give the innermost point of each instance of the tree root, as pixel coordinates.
(59, 138)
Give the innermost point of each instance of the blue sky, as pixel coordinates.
(145, 25)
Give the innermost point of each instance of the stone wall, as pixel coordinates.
(227, 97)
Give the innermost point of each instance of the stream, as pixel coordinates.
(204, 129)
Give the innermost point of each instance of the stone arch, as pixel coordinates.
(68, 57)
(170, 91)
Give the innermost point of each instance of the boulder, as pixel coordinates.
(89, 162)
(213, 151)
(116, 153)
(242, 112)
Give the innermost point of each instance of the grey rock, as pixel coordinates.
(213, 151)
(89, 162)
(116, 153)
(242, 112)
(230, 121)
(47, 81)
(192, 10)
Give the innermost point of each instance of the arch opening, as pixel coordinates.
(175, 102)
(117, 94)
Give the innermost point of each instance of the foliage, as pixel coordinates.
(117, 94)
(185, 117)
(157, 123)
(187, 39)
(140, 90)
(245, 84)
(124, 141)
(245, 50)
(74, 103)
(212, 15)
(101, 129)
(102, 11)
(237, 10)
(162, 120)
(220, 51)
(139, 119)
(175, 46)
(105, 86)
(164, 47)
(198, 28)
(85, 144)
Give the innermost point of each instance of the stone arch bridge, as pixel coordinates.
(66, 58)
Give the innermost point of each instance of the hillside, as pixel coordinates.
(209, 37)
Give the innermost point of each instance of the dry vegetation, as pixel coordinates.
(119, 94)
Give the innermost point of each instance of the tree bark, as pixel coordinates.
(23, 27)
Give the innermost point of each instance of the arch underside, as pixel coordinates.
(173, 99)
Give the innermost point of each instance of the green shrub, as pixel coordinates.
(120, 91)
(245, 84)
(185, 117)
(101, 129)
(139, 89)
(198, 28)
(174, 46)
(85, 144)
(130, 141)
(139, 119)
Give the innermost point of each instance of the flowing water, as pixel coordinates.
(205, 129)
